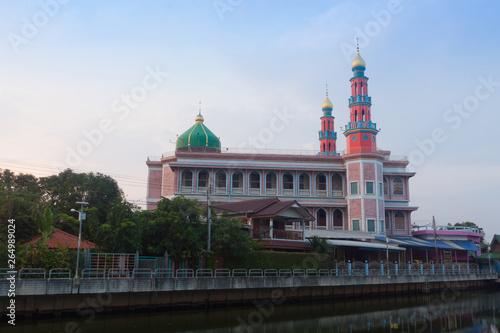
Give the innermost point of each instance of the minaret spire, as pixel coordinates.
(360, 132)
(327, 135)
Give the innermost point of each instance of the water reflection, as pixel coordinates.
(449, 311)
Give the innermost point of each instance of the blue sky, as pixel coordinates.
(246, 60)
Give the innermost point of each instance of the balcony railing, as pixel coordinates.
(446, 228)
(271, 191)
(337, 194)
(327, 134)
(277, 234)
(359, 99)
(237, 190)
(360, 124)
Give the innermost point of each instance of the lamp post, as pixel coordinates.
(81, 216)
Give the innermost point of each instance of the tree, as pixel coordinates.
(122, 230)
(45, 224)
(174, 226)
(229, 238)
(471, 225)
(319, 245)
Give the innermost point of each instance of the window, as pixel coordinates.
(387, 221)
(254, 180)
(397, 186)
(237, 182)
(321, 182)
(203, 179)
(354, 188)
(399, 221)
(187, 178)
(220, 179)
(338, 220)
(288, 181)
(380, 189)
(370, 225)
(382, 226)
(304, 181)
(271, 180)
(370, 188)
(386, 187)
(337, 186)
(321, 219)
(355, 225)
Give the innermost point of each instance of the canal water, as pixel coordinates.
(448, 311)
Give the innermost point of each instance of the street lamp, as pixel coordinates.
(81, 216)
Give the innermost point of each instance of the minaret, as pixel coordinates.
(365, 198)
(327, 136)
(360, 132)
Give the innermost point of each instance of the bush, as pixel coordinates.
(280, 260)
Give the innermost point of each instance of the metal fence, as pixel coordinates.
(341, 269)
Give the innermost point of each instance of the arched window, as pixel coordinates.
(338, 219)
(220, 182)
(399, 220)
(320, 185)
(254, 182)
(203, 181)
(387, 221)
(304, 184)
(321, 219)
(288, 184)
(237, 184)
(271, 183)
(363, 115)
(187, 181)
(397, 186)
(337, 186)
(386, 186)
(329, 146)
(355, 115)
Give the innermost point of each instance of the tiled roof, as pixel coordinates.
(245, 206)
(260, 207)
(64, 238)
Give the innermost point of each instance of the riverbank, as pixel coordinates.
(59, 297)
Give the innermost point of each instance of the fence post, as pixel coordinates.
(409, 268)
(432, 269)
(453, 269)
(366, 267)
(336, 269)
(381, 268)
(349, 266)
(421, 269)
(443, 270)
(468, 271)
(396, 267)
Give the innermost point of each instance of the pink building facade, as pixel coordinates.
(363, 190)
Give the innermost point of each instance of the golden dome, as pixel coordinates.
(358, 61)
(199, 119)
(327, 104)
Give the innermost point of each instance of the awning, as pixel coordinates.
(415, 242)
(364, 245)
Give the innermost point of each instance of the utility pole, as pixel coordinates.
(81, 217)
(209, 215)
(435, 239)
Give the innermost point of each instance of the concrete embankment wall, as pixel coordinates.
(60, 296)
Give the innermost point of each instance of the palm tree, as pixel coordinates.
(45, 224)
(320, 245)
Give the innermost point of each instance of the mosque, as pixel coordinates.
(364, 191)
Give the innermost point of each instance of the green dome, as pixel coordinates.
(198, 138)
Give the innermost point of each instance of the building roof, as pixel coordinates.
(198, 138)
(63, 238)
(267, 207)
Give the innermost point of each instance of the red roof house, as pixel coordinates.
(63, 238)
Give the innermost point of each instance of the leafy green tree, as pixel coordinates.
(319, 245)
(45, 224)
(229, 238)
(122, 230)
(471, 225)
(173, 226)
